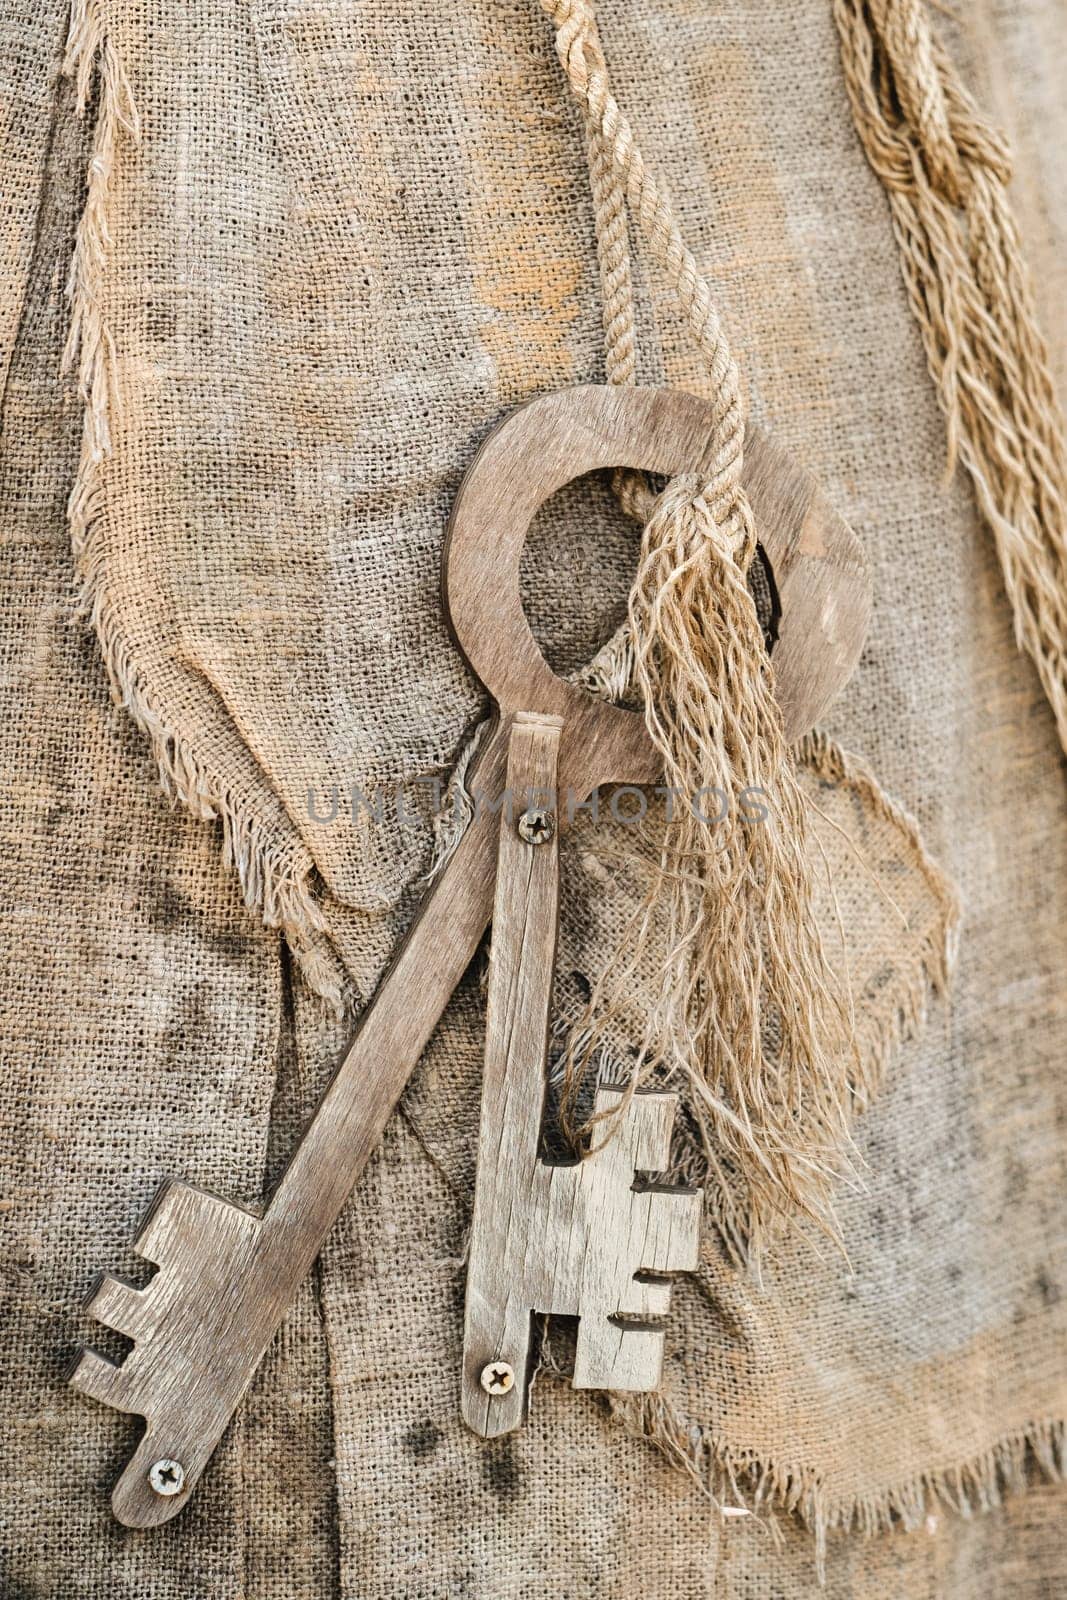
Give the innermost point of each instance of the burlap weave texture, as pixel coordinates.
(347, 241)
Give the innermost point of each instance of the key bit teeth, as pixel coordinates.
(94, 1376)
(648, 1296)
(181, 1213)
(645, 1125)
(157, 1224)
(117, 1304)
(683, 1252)
(621, 1355)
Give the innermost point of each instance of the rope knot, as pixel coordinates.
(704, 513)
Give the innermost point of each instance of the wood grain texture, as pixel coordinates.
(821, 578)
(819, 570)
(226, 1276)
(559, 1238)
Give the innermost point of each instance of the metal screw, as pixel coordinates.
(167, 1477)
(497, 1378)
(536, 826)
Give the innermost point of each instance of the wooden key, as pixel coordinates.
(577, 1238)
(226, 1274)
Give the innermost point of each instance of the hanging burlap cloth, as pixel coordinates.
(324, 247)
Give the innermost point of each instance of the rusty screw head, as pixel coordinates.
(536, 826)
(167, 1477)
(497, 1378)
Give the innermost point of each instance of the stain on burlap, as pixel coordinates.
(332, 267)
(141, 1016)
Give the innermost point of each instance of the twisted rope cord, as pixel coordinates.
(582, 59)
(612, 230)
(611, 226)
(611, 223)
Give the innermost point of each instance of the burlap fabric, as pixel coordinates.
(101, 880)
(332, 264)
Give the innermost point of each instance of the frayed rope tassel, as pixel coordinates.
(946, 172)
(747, 1009)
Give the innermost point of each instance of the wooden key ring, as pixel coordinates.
(818, 568)
(227, 1275)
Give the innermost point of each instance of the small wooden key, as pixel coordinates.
(577, 1238)
(227, 1275)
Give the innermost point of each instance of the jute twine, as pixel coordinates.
(748, 1012)
(946, 172)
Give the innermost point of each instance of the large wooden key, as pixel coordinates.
(227, 1275)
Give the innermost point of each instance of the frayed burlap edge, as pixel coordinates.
(903, 1009)
(946, 172)
(274, 873)
(738, 1479)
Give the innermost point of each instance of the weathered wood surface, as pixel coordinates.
(226, 1277)
(819, 570)
(558, 1238)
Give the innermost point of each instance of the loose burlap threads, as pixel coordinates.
(747, 1010)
